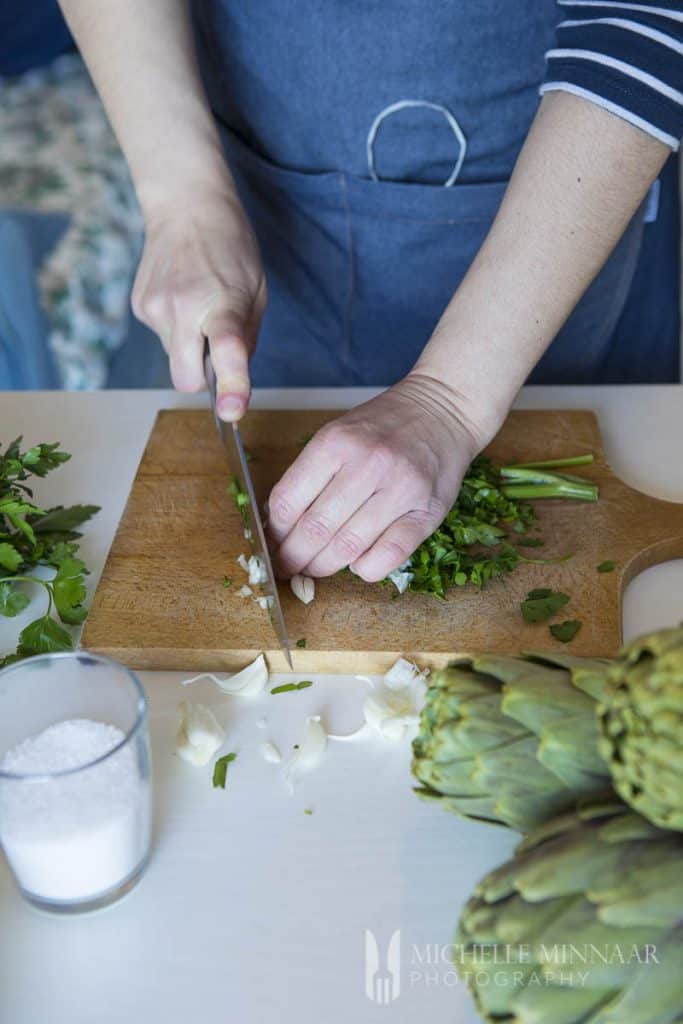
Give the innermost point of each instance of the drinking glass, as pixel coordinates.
(76, 838)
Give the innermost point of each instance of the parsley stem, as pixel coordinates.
(32, 579)
(576, 460)
(559, 489)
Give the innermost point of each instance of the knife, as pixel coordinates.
(239, 467)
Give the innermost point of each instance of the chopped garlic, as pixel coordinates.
(265, 603)
(199, 733)
(245, 591)
(247, 533)
(270, 753)
(246, 683)
(256, 568)
(303, 587)
(242, 562)
(310, 751)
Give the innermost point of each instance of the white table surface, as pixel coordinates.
(250, 910)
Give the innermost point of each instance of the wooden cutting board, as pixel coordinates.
(161, 604)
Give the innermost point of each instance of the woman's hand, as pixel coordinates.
(372, 485)
(201, 276)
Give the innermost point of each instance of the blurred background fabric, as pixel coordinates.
(71, 234)
(70, 227)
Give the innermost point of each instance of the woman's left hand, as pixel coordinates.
(372, 485)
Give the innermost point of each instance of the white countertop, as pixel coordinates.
(250, 910)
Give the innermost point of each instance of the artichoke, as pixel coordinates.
(582, 926)
(512, 740)
(641, 716)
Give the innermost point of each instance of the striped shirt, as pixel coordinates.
(626, 57)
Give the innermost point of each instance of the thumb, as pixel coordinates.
(229, 346)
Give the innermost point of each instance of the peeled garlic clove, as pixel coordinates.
(303, 587)
(200, 734)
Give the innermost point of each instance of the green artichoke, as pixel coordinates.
(583, 926)
(512, 740)
(641, 716)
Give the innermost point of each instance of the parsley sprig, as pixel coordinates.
(31, 537)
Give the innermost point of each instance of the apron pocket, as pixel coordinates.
(301, 222)
(411, 247)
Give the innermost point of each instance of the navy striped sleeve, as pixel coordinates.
(626, 57)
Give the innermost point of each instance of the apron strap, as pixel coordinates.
(402, 105)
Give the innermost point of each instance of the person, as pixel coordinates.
(425, 222)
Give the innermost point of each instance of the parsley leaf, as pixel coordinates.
(10, 558)
(606, 567)
(12, 601)
(566, 631)
(301, 643)
(539, 609)
(43, 637)
(220, 770)
(69, 592)
(65, 520)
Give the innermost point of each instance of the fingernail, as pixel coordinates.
(229, 406)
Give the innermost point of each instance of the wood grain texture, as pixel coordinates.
(161, 604)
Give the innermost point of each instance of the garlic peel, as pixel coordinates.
(270, 753)
(310, 752)
(250, 681)
(402, 577)
(403, 673)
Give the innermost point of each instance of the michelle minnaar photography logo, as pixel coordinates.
(392, 966)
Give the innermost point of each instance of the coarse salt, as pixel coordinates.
(74, 836)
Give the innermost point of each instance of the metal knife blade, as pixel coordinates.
(239, 467)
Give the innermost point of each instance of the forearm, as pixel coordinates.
(579, 179)
(140, 54)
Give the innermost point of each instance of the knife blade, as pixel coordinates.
(239, 467)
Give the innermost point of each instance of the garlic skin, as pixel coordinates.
(310, 752)
(303, 587)
(270, 753)
(200, 734)
(402, 577)
(248, 682)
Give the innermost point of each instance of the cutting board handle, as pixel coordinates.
(652, 531)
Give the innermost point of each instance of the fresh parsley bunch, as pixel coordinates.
(30, 537)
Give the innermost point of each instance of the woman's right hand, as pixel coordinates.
(201, 276)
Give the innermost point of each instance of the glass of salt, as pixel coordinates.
(75, 786)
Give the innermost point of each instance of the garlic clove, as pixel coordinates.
(303, 587)
(200, 734)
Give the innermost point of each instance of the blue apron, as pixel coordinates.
(372, 143)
